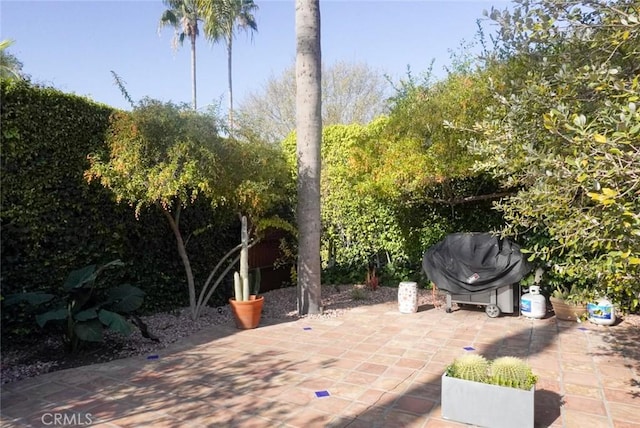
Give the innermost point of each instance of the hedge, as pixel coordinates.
(53, 221)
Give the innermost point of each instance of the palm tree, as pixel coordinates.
(10, 67)
(309, 133)
(183, 16)
(223, 18)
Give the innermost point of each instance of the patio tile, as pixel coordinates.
(295, 396)
(347, 391)
(610, 371)
(386, 360)
(624, 396)
(381, 368)
(356, 355)
(308, 417)
(625, 424)
(624, 412)
(24, 408)
(584, 391)
(410, 363)
(396, 418)
(413, 404)
(578, 366)
(346, 422)
(580, 378)
(578, 419)
(398, 386)
(441, 423)
(331, 351)
(396, 372)
(371, 396)
(146, 419)
(584, 404)
(360, 378)
(330, 404)
(371, 368)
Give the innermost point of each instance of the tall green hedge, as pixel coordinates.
(53, 221)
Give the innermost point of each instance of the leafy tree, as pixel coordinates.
(224, 17)
(10, 66)
(166, 156)
(351, 93)
(379, 206)
(565, 132)
(309, 136)
(359, 218)
(183, 16)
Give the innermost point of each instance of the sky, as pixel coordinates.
(74, 45)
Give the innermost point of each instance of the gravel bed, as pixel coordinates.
(49, 356)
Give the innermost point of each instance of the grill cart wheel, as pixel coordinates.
(493, 311)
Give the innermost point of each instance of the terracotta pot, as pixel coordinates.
(567, 311)
(247, 313)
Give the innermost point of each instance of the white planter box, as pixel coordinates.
(486, 405)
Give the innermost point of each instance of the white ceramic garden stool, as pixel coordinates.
(408, 297)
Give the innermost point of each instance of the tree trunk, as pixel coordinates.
(182, 251)
(230, 83)
(193, 72)
(309, 136)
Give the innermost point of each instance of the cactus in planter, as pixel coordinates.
(504, 371)
(471, 367)
(241, 279)
(512, 372)
(246, 306)
(496, 397)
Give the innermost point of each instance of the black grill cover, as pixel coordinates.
(465, 263)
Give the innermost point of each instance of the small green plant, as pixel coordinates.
(504, 371)
(87, 308)
(575, 294)
(358, 293)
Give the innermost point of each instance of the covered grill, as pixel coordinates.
(476, 268)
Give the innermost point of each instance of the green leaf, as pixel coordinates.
(54, 315)
(32, 298)
(87, 314)
(127, 298)
(579, 120)
(79, 277)
(599, 138)
(115, 322)
(91, 330)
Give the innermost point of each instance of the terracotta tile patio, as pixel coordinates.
(379, 368)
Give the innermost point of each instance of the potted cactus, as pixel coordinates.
(498, 393)
(246, 305)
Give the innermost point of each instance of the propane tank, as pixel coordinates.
(602, 312)
(533, 304)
